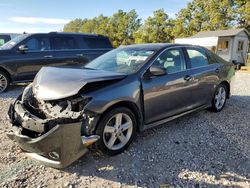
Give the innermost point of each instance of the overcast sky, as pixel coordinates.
(18, 16)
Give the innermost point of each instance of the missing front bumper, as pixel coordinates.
(58, 148)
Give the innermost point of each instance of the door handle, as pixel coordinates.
(48, 56)
(217, 70)
(187, 78)
(79, 55)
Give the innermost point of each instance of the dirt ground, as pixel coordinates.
(202, 149)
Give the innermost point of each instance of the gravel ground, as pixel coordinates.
(203, 149)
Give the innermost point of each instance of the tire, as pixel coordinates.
(219, 98)
(110, 141)
(4, 82)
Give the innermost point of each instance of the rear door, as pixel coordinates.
(67, 51)
(205, 75)
(170, 94)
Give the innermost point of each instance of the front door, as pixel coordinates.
(38, 55)
(170, 94)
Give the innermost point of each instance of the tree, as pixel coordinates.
(219, 15)
(202, 15)
(97, 25)
(182, 23)
(102, 25)
(242, 11)
(120, 27)
(126, 28)
(123, 25)
(155, 29)
(74, 25)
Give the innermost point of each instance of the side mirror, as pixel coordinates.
(23, 48)
(157, 71)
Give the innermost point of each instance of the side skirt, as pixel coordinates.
(154, 124)
(21, 81)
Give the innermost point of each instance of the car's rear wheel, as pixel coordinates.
(4, 82)
(220, 98)
(116, 129)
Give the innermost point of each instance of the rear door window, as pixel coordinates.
(197, 58)
(63, 43)
(97, 42)
(38, 44)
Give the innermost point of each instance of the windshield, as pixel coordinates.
(13, 42)
(121, 60)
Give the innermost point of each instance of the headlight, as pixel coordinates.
(27, 92)
(79, 103)
(66, 108)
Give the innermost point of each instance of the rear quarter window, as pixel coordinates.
(97, 42)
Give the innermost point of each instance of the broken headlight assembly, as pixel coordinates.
(27, 92)
(65, 108)
(71, 107)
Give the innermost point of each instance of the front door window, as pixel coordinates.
(38, 44)
(172, 60)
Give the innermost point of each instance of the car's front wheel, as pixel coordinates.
(220, 98)
(117, 129)
(4, 82)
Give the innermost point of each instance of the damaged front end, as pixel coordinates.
(52, 132)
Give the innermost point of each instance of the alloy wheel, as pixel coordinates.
(220, 98)
(118, 131)
(3, 83)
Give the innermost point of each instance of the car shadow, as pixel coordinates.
(13, 92)
(199, 149)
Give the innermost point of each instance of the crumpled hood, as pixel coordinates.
(52, 83)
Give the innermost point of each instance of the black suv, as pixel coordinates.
(22, 57)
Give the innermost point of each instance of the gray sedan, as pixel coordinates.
(65, 111)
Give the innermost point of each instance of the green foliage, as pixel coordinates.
(242, 11)
(126, 28)
(122, 27)
(202, 16)
(155, 29)
(98, 25)
(74, 25)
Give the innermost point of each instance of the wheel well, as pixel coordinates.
(130, 105)
(6, 72)
(228, 87)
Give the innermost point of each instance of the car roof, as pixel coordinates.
(154, 46)
(69, 33)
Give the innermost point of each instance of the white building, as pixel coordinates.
(231, 45)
